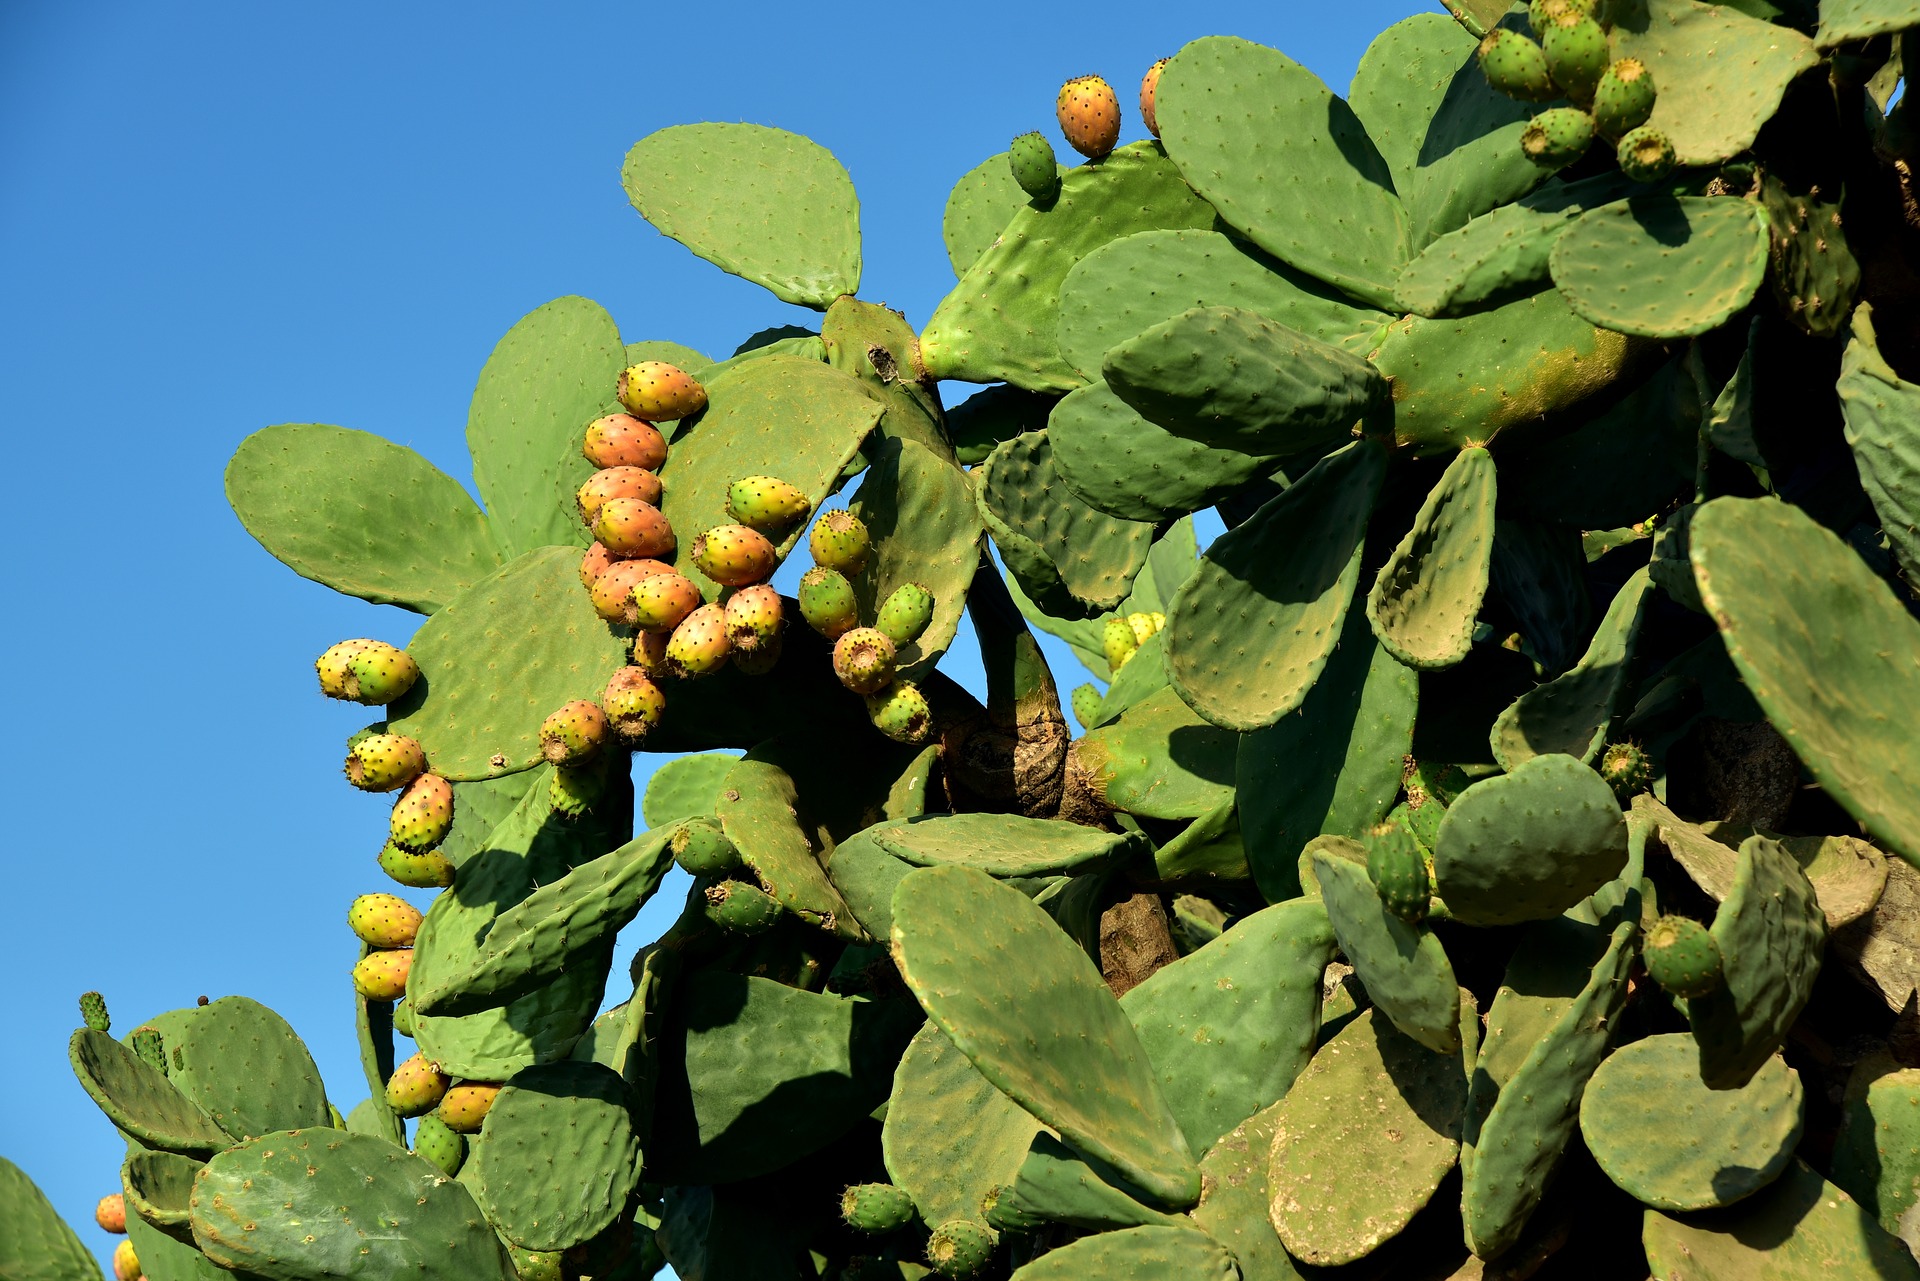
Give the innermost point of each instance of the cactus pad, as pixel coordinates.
(1528, 845)
(1133, 764)
(159, 1186)
(1055, 1186)
(979, 208)
(1570, 714)
(756, 810)
(1067, 556)
(38, 1245)
(1694, 261)
(138, 1097)
(570, 1116)
(926, 529)
(1136, 1254)
(243, 1063)
(950, 1136)
(1875, 1154)
(1403, 967)
(1006, 844)
(1495, 258)
(1880, 406)
(1426, 600)
(685, 787)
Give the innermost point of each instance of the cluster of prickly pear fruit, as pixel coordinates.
(1568, 57)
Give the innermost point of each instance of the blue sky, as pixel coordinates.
(219, 216)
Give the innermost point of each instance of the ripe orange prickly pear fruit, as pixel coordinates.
(416, 1086)
(382, 976)
(384, 920)
(111, 1213)
(384, 762)
(428, 870)
(612, 592)
(863, 660)
(633, 703)
(1089, 115)
(126, 1264)
(839, 541)
(573, 733)
(900, 712)
(621, 440)
(657, 392)
(766, 503)
(1149, 91)
(753, 619)
(595, 563)
(827, 602)
(615, 482)
(735, 555)
(650, 654)
(633, 527)
(660, 601)
(466, 1105)
(423, 815)
(699, 646)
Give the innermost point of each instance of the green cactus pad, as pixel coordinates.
(1800, 1228)
(1807, 624)
(1693, 261)
(926, 530)
(557, 1116)
(694, 362)
(1000, 323)
(757, 812)
(1007, 844)
(38, 1245)
(1234, 1206)
(1133, 764)
(1055, 1186)
(529, 618)
(1570, 714)
(950, 1136)
(764, 204)
(979, 423)
(1879, 407)
(1210, 847)
(1669, 1142)
(866, 875)
(1240, 1014)
(1375, 1115)
(1527, 846)
(138, 1098)
(685, 787)
(1815, 275)
(1403, 967)
(1176, 554)
(876, 345)
(247, 1068)
(1495, 258)
(158, 1187)
(1426, 599)
(1136, 1254)
(1024, 1003)
(1248, 634)
(361, 514)
(1143, 675)
(755, 1074)
(1068, 557)
(167, 1258)
(1250, 128)
(321, 1203)
(1876, 1154)
(1848, 875)
(978, 209)
(1844, 21)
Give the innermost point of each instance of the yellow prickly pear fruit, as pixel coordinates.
(656, 392)
(573, 733)
(1118, 641)
(416, 1086)
(634, 704)
(766, 503)
(384, 920)
(1144, 625)
(863, 660)
(420, 870)
(1149, 92)
(384, 762)
(126, 1264)
(423, 815)
(466, 1105)
(660, 601)
(332, 666)
(839, 541)
(735, 555)
(699, 646)
(650, 654)
(1089, 115)
(382, 976)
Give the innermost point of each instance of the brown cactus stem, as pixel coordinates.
(1135, 940)
(1014, 759)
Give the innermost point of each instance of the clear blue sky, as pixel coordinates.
(218, 216)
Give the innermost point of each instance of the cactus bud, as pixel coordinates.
(1398, 871)
(1030, 156)
(93, 1012)
(1683, 957)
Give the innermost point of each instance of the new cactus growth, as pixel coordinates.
(700, 847)
(1398, 871)
(876, 1208)
(1683, 958)
(1031, 158)
(1089, 115)
(93, 1011)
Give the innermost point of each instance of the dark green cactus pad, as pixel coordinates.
(139, 1098)
(1570, 714)
(1879, 407)
(1171, 561)
(1426, 599)
(1070, 559)
(1721, 73)
(1494, 259)
(1055, 1186)
(1772, 937)
(1234, 1206)
(1694, 261)
(37, 1245)
(247, 1068)
(1848, 875)
(979, 423)
(950, 1136)
(551, 375)
(158, 1187)
(1136, 1254)
(999, 324)
(529, 618)
(1527, 846)
(1135, 768)
(1842, 21)
(1669, 1142)
(1814, 274)
(1237, 116)
(321, 1203)
(1376, 1115)
(1538, 572)
(685, 787)
(866, 875)
(1403, 967)
(1240, 1014)
(926, 529)
(1248, 635)
(167, 1258)
(1876, 1154)
(373, 1034)
(979, 208)
(757, 812)
(764, 204)
(1800, 1228)
(1807, 624)
(361, 514)
(1210, 847)
(1045, 1029)
(708, 1234)
(557, 1158)
(755, 1074)
(1007, 844)
(1335, 767)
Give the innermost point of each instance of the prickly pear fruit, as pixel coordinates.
(111, 1213)
(827, 602)
(1683, 957)
(1623, 99)
(423, 815)
(439, 1143)
(1576, 51)
(735, 555)
(536, 1265)
(1557, 137)
(876, 1207)
(863, 660)
(1399, 872)
(740, 908)
(466, 1105)
(753, 619)
(573, 733)
(93, 1012)
(126, 1264)
(1516, 66)
(1145, 625)
(1149, 96)
(762, 660)
(766, 503)
(382, 976)
(1089, 115)
(839, 541)
(615, 482)
(661, 601)
(699, 646)
(1007, 1214)
(621, 440)
(384, 920)
(612, 592)
(959, 1248)
(1030, 156)
(700, 847)
(656, 392)
(384, 762)
(332, 665)
(905, 614)
(575, 789)
(1118, 641)
(1626, 769)
(426, 870)
(634, 704)
(1086, 705)
(900, 712)
(595, 563)
(379, 674)
(650, 654)
(417, 1086)
(633, 527)
(1645, 154)
(1540, 12)
(403, 1018)
(148, 1045)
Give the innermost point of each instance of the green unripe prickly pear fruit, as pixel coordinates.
(423, 815)
(466, 1105)
(1683, 957)
(126, 1264)
(1557, 137)
(1117, 639)
(633, 703)
(959, 1248)
(699, 646)
(657, 392)
(378, 674)
(111, 1212)
(699, 846)
(384, 762)
(425, 870)
(839, 541)
(754, 615)
(827, 602)
(610, 483)
(1516, 66)
(621, 440)
(740, 908)
(876, 1207)
(906, 613)
(1623, 99)
(536, 1265)
(93, 1012)
(1089, 115)
(863, 660)
(900, 712)
(440, 1144)
(403, 1018)
(575, 789)
(766, 503)
(1540, 12)
(1398, 871)
(1645, 154)
(384, 920)
(1626, 769)
(573, 733)
(1030, 156)
(417, 1086)
(1086, 705)
(382, 976)
(1150, 96)
(148, 1045)
(1577, 53)
(735, 555)
(1006, 1213)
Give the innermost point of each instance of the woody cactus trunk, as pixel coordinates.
(1456, 846)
